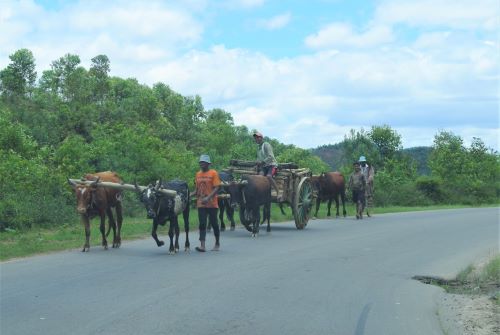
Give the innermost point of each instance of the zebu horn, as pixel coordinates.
(71, 182)
(137, 189)
(171, 193)
(94, 183)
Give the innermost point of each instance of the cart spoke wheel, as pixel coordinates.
(303, 201)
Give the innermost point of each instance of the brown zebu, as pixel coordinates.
(330, 185)
(251, 193)
(98, 201)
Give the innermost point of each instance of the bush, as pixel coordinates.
(431, 187)
(30, 194)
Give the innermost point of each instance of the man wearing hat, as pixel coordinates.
(369, 173)
(265, 159)
(207, 184)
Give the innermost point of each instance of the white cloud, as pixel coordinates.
(342, 34)
(276, 22)
(444, 78)
(462, 14)
(124, 31)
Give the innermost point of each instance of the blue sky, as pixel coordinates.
(303, 72)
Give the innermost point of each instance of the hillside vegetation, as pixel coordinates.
(71, 120)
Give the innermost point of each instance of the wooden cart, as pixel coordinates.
(294, 187)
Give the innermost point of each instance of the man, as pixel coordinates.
(369, 173)
(265, 160)
(207, 184)
(357, 185)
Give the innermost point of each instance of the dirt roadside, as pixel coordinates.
(461, 314)
(469, 304)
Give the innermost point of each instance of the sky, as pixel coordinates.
(303, 72)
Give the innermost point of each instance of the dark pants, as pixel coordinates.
(211, 213)
(358, 196)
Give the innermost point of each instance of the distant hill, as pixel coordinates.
(333, 155)
(421, 156)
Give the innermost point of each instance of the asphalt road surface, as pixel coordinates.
(339, 276)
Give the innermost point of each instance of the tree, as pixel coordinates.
(447, 157)
(18, 79)
(98, 72)
(358, 143)
(387, 141)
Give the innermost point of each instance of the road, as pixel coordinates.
(339, 276)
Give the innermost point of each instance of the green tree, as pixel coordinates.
(447, 157)
(359, 143)
(99, 74)
(19, 78)
(387, 141)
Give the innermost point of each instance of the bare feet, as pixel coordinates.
(200, 249)
(216, 247)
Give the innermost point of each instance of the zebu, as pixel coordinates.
(162, 208)
(94, 201)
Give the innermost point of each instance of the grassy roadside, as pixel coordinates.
(478, 279)
(38, 240)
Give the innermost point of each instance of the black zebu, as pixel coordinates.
(251, 193)
(224, 203)
(161, 207)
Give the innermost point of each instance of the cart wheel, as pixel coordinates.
(302, 204)
(245, 218)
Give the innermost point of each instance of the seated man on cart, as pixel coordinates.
(267, 164)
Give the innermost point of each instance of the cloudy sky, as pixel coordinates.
(302, 71)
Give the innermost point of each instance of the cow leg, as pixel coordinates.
(264, 215)
(329, 207)
(342, 198)
(177, 233)
(119, 221)
(185, 216)
(171, 228)
(112, 224)
(221, 216)
(318, 202)
(86, 225)
(281, 208)
(153, 233)
(337, 205)
(230, 215)
(102, 228)
(268, 218)
(256, 220)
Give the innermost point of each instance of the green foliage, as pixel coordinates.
(75, 121)
(469, 175)
(387, 141)
(431, 187)
(358, 143)
(18, 79)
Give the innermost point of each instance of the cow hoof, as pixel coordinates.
(268, 230)
(176, 250)
(313, 218)
(161, 243)
(186, 249)
(171, 252)
(85, 249)
(232, 228)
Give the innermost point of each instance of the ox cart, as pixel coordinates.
(294, 188)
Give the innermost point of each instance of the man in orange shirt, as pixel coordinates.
(207, 184)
